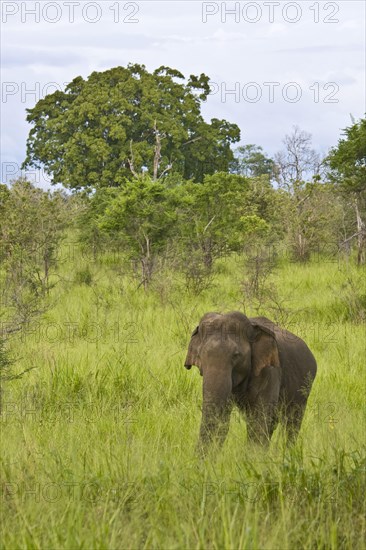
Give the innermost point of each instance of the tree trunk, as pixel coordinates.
(207, 253)
(361, 235)
(157, 153)
(303, 252)
(46, 271)
(147, 264)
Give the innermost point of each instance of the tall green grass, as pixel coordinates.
(98, 440)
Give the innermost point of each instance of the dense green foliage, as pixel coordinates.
(31, 227)
(100, 436)
(348, 160)
(347, 163)
(194, 222)
(101, 290)
(250, 161)
(121, 122)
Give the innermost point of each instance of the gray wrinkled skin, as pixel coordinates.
(250, 362)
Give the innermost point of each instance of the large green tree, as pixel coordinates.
(250, 161)
(141, 216)
(194, 222)
(31, 226)
(348, 159)
(125, 121)
(297, 166)
(224, 210)
(347, 164)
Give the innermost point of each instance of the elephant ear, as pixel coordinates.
(193, 350)
(264, 345)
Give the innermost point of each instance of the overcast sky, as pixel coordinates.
(285, 63)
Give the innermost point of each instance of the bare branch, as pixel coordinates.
(131, 161)
(208, 225)
(352, 237)
(157, 152)
(169, 167)
(191, 140)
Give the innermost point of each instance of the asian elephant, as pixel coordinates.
(263, 369)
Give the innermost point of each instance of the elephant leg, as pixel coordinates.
(262, 409)
(261, 425)
(293, 420)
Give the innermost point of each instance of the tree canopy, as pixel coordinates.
(347, 161)
(250, 161)
(123, 122)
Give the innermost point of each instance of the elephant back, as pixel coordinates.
(298, 364)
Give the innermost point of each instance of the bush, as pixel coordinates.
(353, 298)
(83, 277)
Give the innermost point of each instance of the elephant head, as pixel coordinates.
(239, 359)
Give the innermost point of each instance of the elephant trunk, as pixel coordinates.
(217, 386)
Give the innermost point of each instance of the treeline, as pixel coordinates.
(32, 223)
(193, 224)
(169, 224)
(183, 225)
(151, 179)
(188, 224)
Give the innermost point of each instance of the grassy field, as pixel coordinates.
(98, 439)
